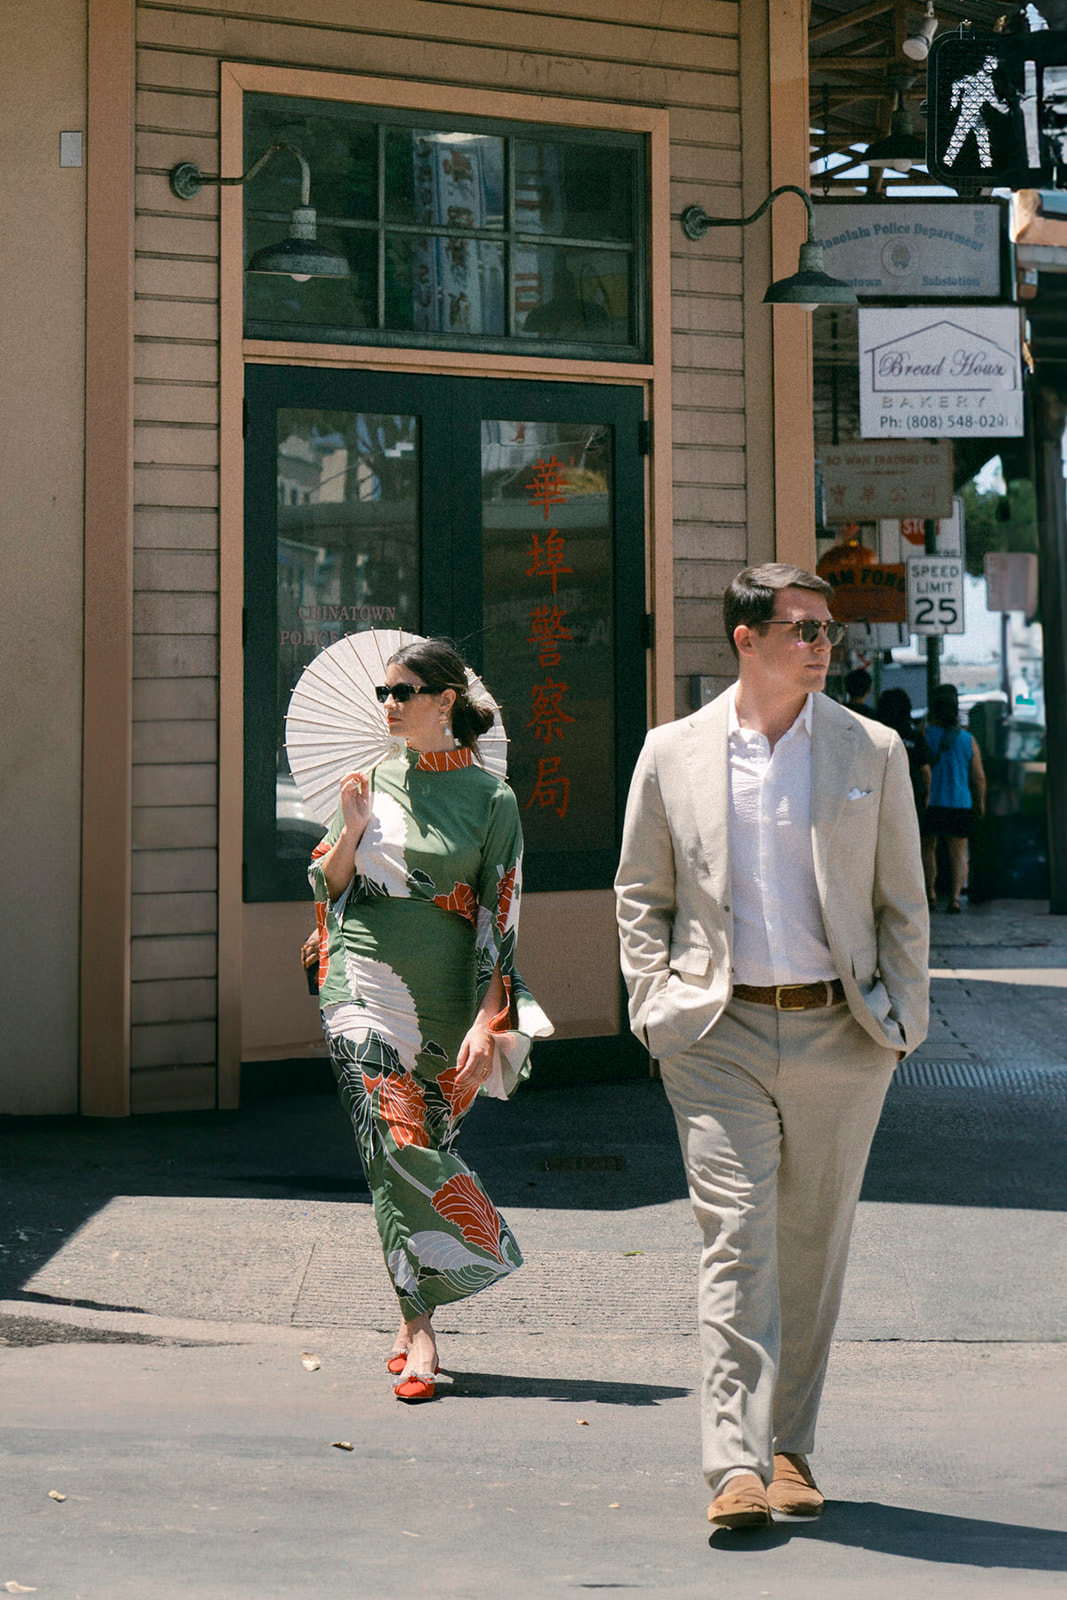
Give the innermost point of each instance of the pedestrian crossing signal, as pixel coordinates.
(997, 111)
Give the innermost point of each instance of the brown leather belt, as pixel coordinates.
(793, 996)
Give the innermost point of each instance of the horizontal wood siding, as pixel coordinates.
(679, 54)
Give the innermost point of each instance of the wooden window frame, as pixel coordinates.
(509, 234)
(653, 376)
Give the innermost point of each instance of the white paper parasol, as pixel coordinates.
(335, 725)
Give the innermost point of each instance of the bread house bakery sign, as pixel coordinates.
(940, 377)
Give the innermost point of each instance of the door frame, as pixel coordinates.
(450, 582)
(653, 378)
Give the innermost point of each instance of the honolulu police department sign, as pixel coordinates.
(925, 375)
(896, 250)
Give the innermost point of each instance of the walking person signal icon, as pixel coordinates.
(997, 111)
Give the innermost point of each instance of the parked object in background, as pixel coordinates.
(1009, 848)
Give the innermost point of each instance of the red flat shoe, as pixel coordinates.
(415, 1387)
(399, 1360)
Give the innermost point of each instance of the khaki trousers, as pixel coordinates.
(776, 1111)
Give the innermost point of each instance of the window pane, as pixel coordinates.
(445, 180)
(313, 308)
(435, 285)
(574, 191)
(579, 295)
(548, 612)
(348, 552)
(341, 152)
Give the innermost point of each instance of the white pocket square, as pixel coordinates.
(858, 794)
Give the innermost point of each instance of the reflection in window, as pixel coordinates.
(477, 234)
(453, 180)
(440, 285)
(573, 191)
(581, 295)
(347, 487)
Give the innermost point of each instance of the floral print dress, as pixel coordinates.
(406, 955)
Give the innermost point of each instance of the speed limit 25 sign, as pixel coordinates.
(935, 594)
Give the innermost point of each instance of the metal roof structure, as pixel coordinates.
(858, 68)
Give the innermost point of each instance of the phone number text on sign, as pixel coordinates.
(996, 423)
(925, 374)
(935, 594)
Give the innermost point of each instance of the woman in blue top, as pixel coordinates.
(957, 792)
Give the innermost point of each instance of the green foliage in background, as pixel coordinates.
(995, 521)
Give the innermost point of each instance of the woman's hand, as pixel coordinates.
(475, 1059)
(357, 801)
(309, 950)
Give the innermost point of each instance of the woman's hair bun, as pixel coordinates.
(440, 666)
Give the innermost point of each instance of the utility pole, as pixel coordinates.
(1049, 415)
(933, 640)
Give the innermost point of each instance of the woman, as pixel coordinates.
(417, 892)
(957, 793)
(894, 709)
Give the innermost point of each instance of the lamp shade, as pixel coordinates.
(300, 255)
(902, 148)
(810, 286)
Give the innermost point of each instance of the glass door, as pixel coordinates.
(505, 515)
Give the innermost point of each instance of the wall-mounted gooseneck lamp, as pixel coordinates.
(301, 256)
(809, 286)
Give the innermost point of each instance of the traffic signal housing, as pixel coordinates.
(997, 111)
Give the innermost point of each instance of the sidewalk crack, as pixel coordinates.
(300, 1289)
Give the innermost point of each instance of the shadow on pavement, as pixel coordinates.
(995, 1146)
(920, 1535)
(590, 1391)
(601, 1147)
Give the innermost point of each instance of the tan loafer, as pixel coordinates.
(792, 1490)
(742, 1504)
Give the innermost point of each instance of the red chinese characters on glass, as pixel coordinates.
(548, 481)
(552, 789)
(547, 632)
(548, 715)
(547, 557)
(548, 719)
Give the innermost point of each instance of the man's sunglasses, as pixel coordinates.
(809, 630)
(401, 692)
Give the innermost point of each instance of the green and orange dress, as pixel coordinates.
(406, 956)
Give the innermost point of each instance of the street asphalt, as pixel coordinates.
(194, 1318)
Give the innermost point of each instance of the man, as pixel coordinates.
(857, 687)
(773, 924)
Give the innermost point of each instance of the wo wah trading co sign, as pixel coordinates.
(925, 376)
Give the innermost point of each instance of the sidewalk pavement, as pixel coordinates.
(162, 1278)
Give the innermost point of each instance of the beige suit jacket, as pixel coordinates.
(673, 884)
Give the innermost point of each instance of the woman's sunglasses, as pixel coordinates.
(809, 630)
(401, 692)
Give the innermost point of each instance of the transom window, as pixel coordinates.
(459, 233)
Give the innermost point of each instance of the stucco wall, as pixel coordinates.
(42, 379)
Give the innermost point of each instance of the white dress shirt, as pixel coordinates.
(778, 928)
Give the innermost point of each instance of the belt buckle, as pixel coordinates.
(780, 989)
